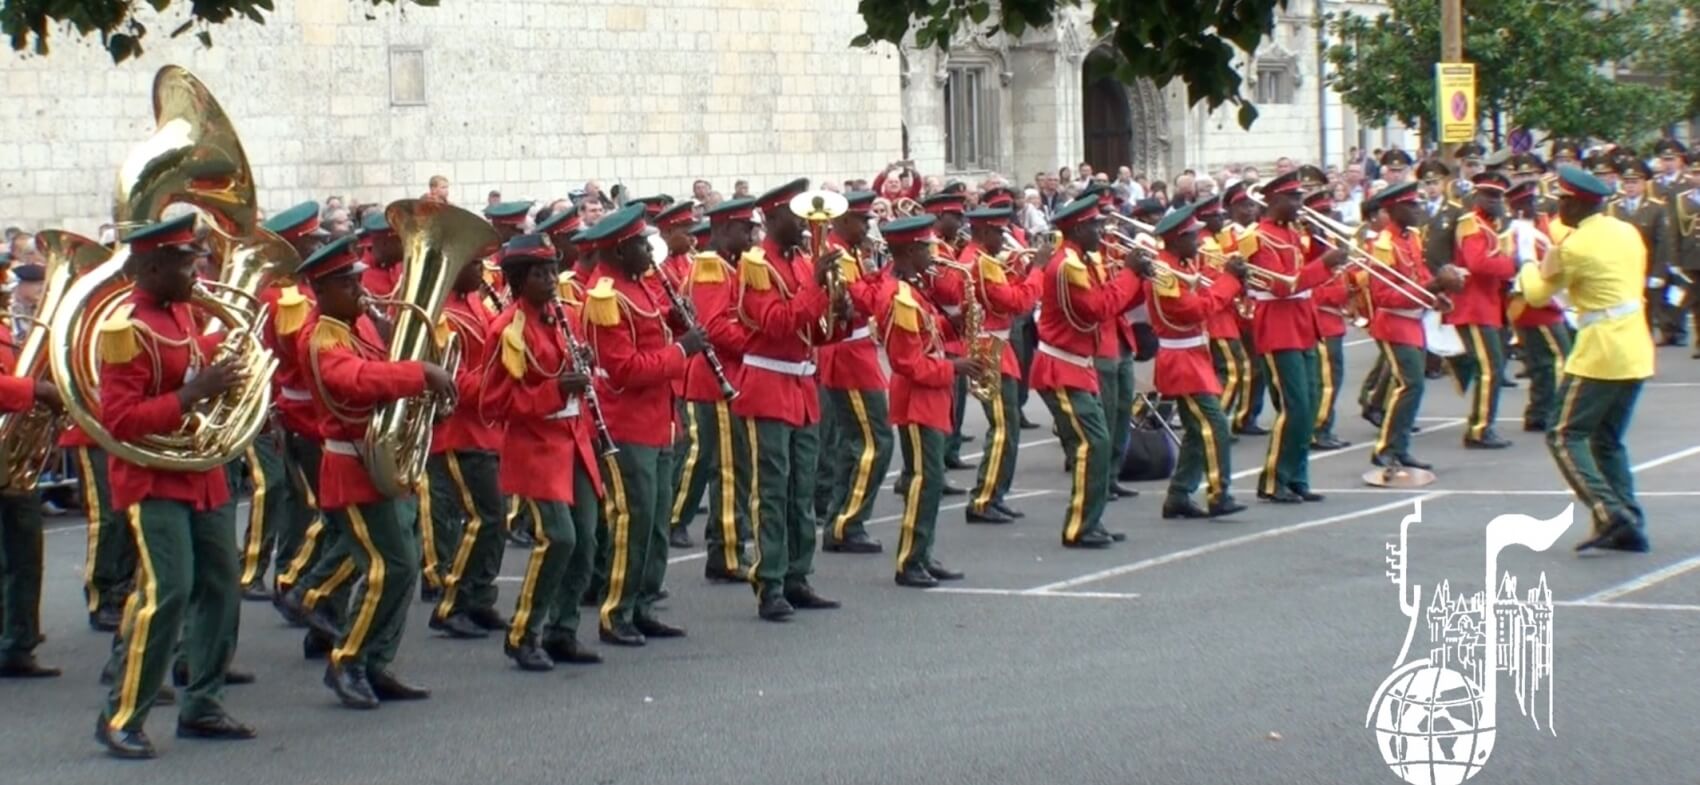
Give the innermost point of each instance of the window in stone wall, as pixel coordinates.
(970, 118)
(407, 76)
(1275, 81)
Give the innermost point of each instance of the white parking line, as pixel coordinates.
(1077, 595)
(1317, 456)
(1662, 460)
(1487, 492)
(1629, 606)
(1647, 581)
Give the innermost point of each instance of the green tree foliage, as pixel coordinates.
(1671, 31)
(1537, 66)
(1161, 40)
(29, 23)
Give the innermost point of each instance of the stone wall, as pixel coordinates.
(531, 97)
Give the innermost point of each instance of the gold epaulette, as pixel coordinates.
(905, 311)
(443, 330)
(118, 341)
(1651, 199)
(1166, 285)
(991, 271)
(513, 346)
(849, 268)
(754, 271)
(1248, 243)
(1467, 225)
(707, 267)
(1383, 250)
(330, 334)
(1074, 271)
(565, 283)
(291, 310)
(602, 307)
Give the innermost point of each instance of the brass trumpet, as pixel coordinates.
(905, 207)
(1336, 235)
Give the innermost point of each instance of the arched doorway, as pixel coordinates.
(1108, 122)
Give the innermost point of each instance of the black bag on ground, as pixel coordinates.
(1150, 454)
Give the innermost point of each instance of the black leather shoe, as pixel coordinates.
(316, 619)
(955, 463)
(717, 575)
(991, 515)
(1281, 496)
(1489, 441)
(1225, 506)
(166, 696)
(1621, 535)
(1416, 429)
(1091, 538)
(622, 635)
(590, 599)
(916, 577)
(1508, 382)
(805, 598)
(1329, 443)
(1306, 493)
(1008, 510)
(106, 618)
(350, 685)
(429, 594)
(1115, 536)
(775, 608)
(942, 572)
(529, 657)
(1374, 416)
(237, 677)
(24, 666)
(1534, 426)
(855, 542)
(216, 725)
(256, 591)
(1408, 461)
(389, 687)
(520, 538)
(126, 744)
(1117, 490)
(1252, 429)
(459, 626)
(679, 537)
(315, 646)
(656, 628)
(1026, 424)
(1183, 508)
(232, 675)
(570, 651)
(487, 618)
(952, 489)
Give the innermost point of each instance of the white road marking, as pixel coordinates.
(1647, 581)
(1488, 492)
(1662, 460)
(1629, 606)
(1079, 595)
(1317, 456)
(973, 455)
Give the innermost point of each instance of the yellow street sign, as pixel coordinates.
(1455, 93)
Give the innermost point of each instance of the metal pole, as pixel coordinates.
(1322, 85)
(1451, 51)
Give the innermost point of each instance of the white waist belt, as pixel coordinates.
(1066, 356)
(1259, 294)
(1194, 342)
(953, 310)
(1588, 318)
(858, 334)
(1408, 313)
(786, 367)
(341, 447)
(1000, 334)
(570, 410)
(1330, 310)
(295, 394)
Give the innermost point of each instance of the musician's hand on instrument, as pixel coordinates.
(1141, 265)
(1450, 278)
(1237, 267)
(966, 366)
(438, 380)
(572, 383)
(826, 264)
(1335, 258)
(47, 394)
(210, 381)
(693, 341)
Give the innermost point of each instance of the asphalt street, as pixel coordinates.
(1241, 651)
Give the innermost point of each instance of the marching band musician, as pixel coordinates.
(380, 251)
(21, 565)
(1000, 284)
(507, 217)
(1372, 396)
(1227, 349)
(856, 445)
(462, 476)
(673, 222)
(1114, 360)
(912, 327)
(1185, 373)
(781, 299)
(154, 366)
(1247, 401)
(1075, 299)
(721, 461)
(350, 374)
(1599, 265)
(547, 462)
(1023, 334)
(627, 324)
(948, 208)
(1330, 298)
(1478, 310)
(1286, 333)
(1542, 332)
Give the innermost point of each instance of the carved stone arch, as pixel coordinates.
(1124, 124)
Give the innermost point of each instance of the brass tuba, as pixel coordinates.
(194, 158)
(27, 438)
(438, 241)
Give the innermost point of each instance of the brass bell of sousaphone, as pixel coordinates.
(817, 209)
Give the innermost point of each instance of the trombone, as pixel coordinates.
(1339, 236)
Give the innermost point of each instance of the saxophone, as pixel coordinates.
(985, 350)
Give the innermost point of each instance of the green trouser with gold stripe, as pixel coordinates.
(186, 584)
(414, 510)
(1086, 439)
(827, 468)
(637, 479)
(269, 507)
(923, 464)
(20, 573)
(1377, 384)
(712, 464)
(781, 490)
(1115, 389)
(300, 538)
(109, 567)
(586, 513)
(1292, 376)
(1587, 442)
(958, 405)
(1003, 442)
(1331, 364)
(464, 487)
(1204, 453)
(1405, 365)
(385, 553)
(560, 564)
(862, 444)
(1253, 388)
(1483, 365)
(1544, 350)
(1233, 370)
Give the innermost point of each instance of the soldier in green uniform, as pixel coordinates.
(1651, 217)
(1672, 175)
(1685, 226)
(1564, 152)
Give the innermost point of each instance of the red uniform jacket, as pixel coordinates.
(1226, 322)
(17, 393)
(853, 363)
(922, 377)
(1118, 329)
(465, 428)
(712, 289)
(1398, 316)
(1181, 318)
(1285, 319)
(1073, 304)
(148, 349)
(381, 281)
(1005, 295)
(1482, 302)
(350, 374)
(546, 435)
(677, 268)
(781, 305)
(946, 290)
(626, 325)
(1330, 299)
(291, 306)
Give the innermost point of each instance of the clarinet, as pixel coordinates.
(688, 314)
(581, 365)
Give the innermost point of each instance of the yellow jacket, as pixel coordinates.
(1603, 265)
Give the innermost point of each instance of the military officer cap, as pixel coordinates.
(1669, 148)
(941, 203)
(1469, 152)
(507, 212)
(861, 203)
(1525, 191)
(1283, 184)
(1527, 164)
(1075, 213)
(1311, 176)
(1491, 181)
(1403, 192)
(1633, 169)
(701, 228)
(1179, 221)
(990, 216)
(1692, 158)
(374, 223)
(615, 228)
(30, 273)
(733, 210)
(1206, 207)
(182, 230)
(653, 205)
(781, 196)
(338, 257)
(998, 197)
(954, 187)
(1147, 208)
(1498, 159)
(1599, 164)
(1562, 148)
(675, 214)
(1320, 199)
(526, 249)
(1234, 194)
(903, 231)
(1396, 159)
(296, 222)
(1433, 169)
(563, 222)
(1575, 183)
